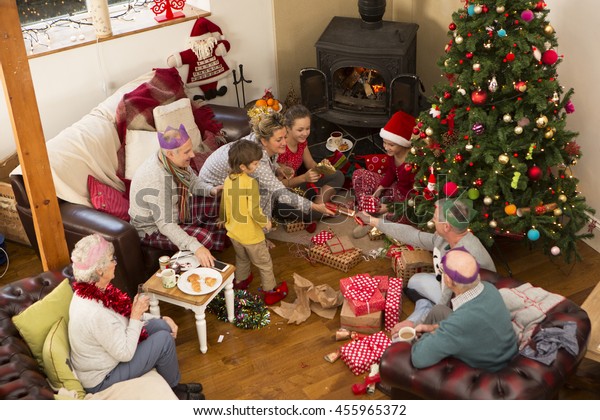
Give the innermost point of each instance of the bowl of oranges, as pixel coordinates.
(268, 104)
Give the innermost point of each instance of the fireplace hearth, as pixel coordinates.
(364, 73)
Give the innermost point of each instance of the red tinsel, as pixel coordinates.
(572, 148)
(111, 298)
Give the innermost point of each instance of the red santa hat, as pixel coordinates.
(399, 129)
(204, 29)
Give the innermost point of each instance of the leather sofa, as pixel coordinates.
(20, 375)
(522, 378)
(136, 262)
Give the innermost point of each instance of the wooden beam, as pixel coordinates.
(29, 136)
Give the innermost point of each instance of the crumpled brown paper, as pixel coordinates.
(322, 300)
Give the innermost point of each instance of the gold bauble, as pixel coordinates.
(506, 118)
(413, 150)
(429, 131)
(562, 198)
(487, 201)
(430, 224)
(493, 224)
(500, 9)
(557, 212)
(518, 130)
(542, 121)
(458, 39)
(549, 133)
(548, 30)
(503, 159)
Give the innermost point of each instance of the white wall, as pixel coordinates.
(69, 84)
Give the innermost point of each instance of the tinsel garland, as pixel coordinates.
(250, 312)
(111, 298)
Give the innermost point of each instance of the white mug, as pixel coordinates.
(169, 278)
(335, 139)
(407, 334)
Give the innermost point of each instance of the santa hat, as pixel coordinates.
(399, 129)
(204, 29)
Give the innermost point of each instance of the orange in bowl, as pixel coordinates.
(261, 102)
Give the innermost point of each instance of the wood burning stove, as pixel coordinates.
(365, 73)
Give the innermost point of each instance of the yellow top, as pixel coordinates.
(240, 209)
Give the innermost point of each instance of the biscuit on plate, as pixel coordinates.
(193, 277)
(210, 281)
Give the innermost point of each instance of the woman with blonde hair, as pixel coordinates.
(112, 338)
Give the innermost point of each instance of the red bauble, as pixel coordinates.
(447, 95)
(521, 86)
(540, 5)
(450, 189)
(534, 173)
(539, 210)
(469, 55)
(478, 182)
(549, 57)
(510, 56)
(452, 26)
(458, 158)
(479, 97)
(416, 131)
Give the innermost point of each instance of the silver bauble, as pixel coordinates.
(493, 224)
(500, 9)
(487, 201)
(518, 130)
(506, 118)
(469, 147)
(458, 39)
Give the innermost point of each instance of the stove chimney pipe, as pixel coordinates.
(371, 13)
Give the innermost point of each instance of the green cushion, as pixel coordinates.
(35, 322)
(56, 353)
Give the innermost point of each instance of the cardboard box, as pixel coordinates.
(342, 262)
(364, 324)
(294, 227)
(406, 273)
(10, 223)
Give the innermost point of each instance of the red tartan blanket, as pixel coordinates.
(136, 108)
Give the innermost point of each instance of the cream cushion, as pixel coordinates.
(139, 147)
(175, 114)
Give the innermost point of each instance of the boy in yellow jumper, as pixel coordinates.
(245, 222)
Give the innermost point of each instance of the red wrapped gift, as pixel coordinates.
(369, 203)
(361, 287)
(322, 237)
(375, 303)
(382, 283)
(393, 303)
(359, 355)
(365, 324)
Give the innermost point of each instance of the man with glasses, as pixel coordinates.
(451, 218)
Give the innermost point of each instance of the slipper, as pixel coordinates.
(271, 297)
(243, 285)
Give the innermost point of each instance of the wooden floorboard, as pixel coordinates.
(282, 361)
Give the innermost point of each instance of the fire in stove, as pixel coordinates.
(359, 86)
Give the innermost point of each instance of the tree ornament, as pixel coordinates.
(413, 150)
(562, 198)
(458, 39)
(478, 182)
(503, 158)
(501, 33)
(471, 9)
(533, 234)
(473, 193)
(478, 128)
(555, 98)
(447, 95)
(549, 57)
(430, 224)
(493, 86)
(487, 45)
(447, 62)
(458, 158)
(534, 173)
(510, 57)
(523, 122)
(557, 212)
(469, 147)
(435, 111)
(469, 55)
(477, 67)
(548, 30)
(542, 121)
(572, 148)
(452, 26)
(515, 181)
(539, 210)
(518, 129)
(450, 189)
(493, 224)
(555, 250)
(487, 200)
(461, 91)
(429, 131)
(520, 86)
(479, 97)
(510, 209)
(477, 9)
(410, 202)
(416, 131)
(527, 15)
(549, 133)
(529, 155)
(506, 118)
(500, 9)
(569, 107)
(536, 53)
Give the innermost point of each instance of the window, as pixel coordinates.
(31, 11)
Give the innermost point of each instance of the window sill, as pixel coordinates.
(136, 21)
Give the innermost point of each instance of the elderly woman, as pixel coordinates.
(270, 132)
(113, 339)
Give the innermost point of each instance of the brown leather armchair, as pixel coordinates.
(522, 378)
(136, 262)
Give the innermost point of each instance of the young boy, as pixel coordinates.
(245, 222)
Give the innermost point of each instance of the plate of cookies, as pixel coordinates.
(199, 281)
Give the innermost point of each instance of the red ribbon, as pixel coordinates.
(451, 116)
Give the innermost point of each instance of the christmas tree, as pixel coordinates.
(496, 130)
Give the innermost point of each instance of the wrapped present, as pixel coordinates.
(417, 258)
(294, 227)
(322, 237)
(365, 324)
(406, 273)
(350, 288)
(382, 283)
(343, 262)
(369, 203)
(359, 355)
(325, 168)
(340, 244)
(397, 250)
(375, 234)
(393, 303)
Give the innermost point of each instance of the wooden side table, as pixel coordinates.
(195, 303)
(592, 307)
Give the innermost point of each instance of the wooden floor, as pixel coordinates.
(284, 361)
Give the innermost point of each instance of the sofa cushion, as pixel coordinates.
(107, 199)
(174, 114)
(140, 145)
(35, 322)
(56, 354)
